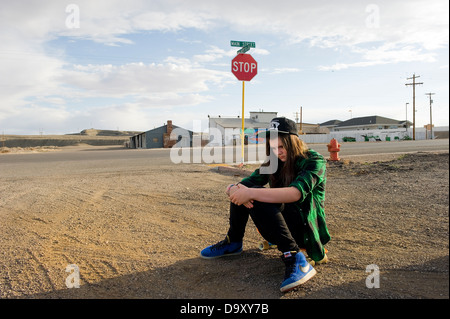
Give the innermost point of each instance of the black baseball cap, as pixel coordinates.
(281, 125)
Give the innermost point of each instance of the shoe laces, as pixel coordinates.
(290, 266)
(220, 244)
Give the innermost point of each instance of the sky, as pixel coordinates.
(133, 65)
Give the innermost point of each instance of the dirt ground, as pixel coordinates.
(137, 233)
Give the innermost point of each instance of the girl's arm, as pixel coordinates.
(243, 195)
(275, 195)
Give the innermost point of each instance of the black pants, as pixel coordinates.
(278, 226)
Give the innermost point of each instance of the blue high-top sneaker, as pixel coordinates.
(222, 248)
(298, 270)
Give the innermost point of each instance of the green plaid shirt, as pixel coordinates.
(310, 181)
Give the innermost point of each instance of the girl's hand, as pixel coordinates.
(249, 204)
(240, 195)
(229, 189)
(232, 188)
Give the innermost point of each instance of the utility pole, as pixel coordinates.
(301, 121)
(431, 118)
(414, 77)
(406, 123)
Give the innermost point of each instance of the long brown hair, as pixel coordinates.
(295, 149)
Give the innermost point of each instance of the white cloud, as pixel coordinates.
(124, 117)
(285, 70)
(394, 54)
(27, 72)
(33, 118)
(174, 76)
(385, 54)
(171, 100)
(213, 54)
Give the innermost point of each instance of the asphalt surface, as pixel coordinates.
(109, 157)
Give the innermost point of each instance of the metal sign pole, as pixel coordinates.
(243, 124)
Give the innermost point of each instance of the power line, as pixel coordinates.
(414, 77)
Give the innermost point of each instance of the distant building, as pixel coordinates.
(307, 128)
(160, 137)
(226, 130)
(330, 125)
(365, 123)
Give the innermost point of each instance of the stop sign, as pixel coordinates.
(244, 67)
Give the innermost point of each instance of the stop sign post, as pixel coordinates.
(244, 67)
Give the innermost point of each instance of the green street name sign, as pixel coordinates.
(242, 44)
(244, 49)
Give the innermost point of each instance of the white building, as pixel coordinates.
(374, 122)
(225, 131)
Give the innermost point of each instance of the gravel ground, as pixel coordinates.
(137, 233)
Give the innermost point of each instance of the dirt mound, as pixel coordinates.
(94, 132)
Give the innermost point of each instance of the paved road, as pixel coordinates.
(366, 148)
(109, 158)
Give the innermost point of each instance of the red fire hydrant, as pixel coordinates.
(334, 148)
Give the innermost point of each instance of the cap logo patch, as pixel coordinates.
(274, 125)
